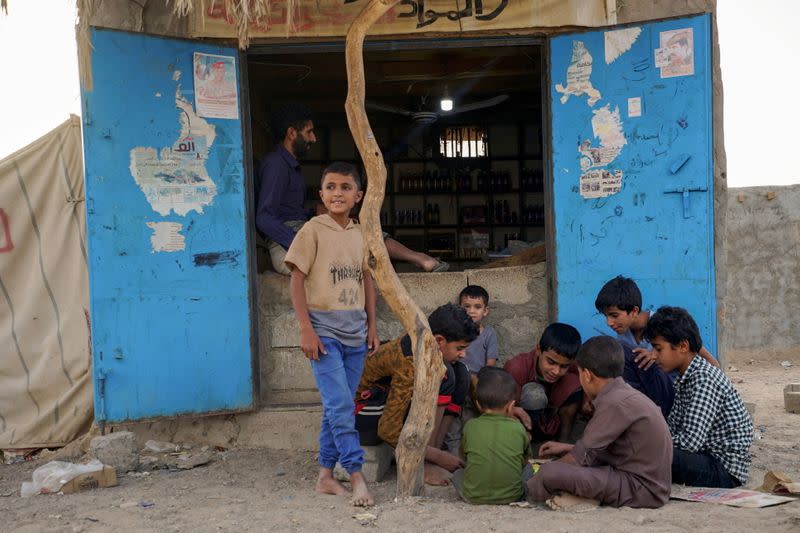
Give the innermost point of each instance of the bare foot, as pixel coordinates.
(427, 263)
(326, 484)
(570, 503)
(361, 496)
(436, 475)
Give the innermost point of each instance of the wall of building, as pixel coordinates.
(518, 312)
(763, 260)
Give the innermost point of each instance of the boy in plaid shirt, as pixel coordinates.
(711, 429)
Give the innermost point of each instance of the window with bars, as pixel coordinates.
(464, 141)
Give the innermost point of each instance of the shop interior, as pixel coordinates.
(460, 128)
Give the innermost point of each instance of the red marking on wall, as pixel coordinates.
(6, 245)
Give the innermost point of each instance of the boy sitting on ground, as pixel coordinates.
(392, 367)
(548, 388)
(623, 457)
(711, 428)
(620, 300)
(334, 300)
(495, 445)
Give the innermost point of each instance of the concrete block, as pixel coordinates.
(283, 330)
(290, 370)
(377, 461)
(510, 285)
(281, 428)
(273, 294)
(116, 449)
(791, 398)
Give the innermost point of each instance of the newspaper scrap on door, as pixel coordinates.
(166, 237)
(215, 94)
(600, 183)
(675, 57)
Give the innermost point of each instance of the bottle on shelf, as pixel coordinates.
(436, 219)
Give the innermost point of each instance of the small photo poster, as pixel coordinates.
(215, 86)
(675, 57)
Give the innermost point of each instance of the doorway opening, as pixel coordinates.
(460, 126)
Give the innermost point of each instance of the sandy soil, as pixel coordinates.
(263, 490)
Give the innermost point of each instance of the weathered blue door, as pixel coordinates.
(632, 168)
(167, 229)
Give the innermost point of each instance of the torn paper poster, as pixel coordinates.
(607, 127)
(176, 179)
(675, 57)
(732, 497)
(617, 42)
(166, 237)
(635, 107)
(600, 183)
(578, 73)
(215, 91)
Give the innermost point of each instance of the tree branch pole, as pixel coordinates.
(428, 367)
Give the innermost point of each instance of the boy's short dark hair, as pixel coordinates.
(602, 356)
(620, 292)
(474, 291)
(495, 387)
(293, 115)
(453, 323)
(562, 339)
(345, 169)
(674, 324)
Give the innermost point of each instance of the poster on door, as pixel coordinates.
(215, 86)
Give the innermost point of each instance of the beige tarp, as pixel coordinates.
(331, 18)
(45, 370)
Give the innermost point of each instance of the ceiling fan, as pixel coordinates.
(429, 117)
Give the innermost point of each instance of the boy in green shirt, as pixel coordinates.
(495, 445)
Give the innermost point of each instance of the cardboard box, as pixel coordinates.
(107, 477)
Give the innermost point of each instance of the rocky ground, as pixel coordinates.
(264, 490)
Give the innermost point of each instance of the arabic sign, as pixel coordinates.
(321, 18)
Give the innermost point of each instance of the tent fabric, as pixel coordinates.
(45, 354)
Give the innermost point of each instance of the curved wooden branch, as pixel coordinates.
(428, 367)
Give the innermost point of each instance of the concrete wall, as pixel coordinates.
(518, 311)
(763, 260)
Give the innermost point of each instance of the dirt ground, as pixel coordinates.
(265, 490)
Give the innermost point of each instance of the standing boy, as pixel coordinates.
(334, 300)
(495, 445)
(482, 351)
(548, 388)
(623, 457)
(711, 428)
(392, 368)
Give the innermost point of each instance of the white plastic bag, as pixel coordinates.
(158, 446)
(53, 475)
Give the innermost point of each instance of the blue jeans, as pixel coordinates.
(338, 373)
(700, 470)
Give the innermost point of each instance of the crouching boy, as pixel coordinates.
(495, 445)
(624, 455)
(711, 428)
(548, 389)
(392, 369)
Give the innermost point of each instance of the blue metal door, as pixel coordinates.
(632, 168)
(167, 229)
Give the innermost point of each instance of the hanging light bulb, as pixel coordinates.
(446, 103)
